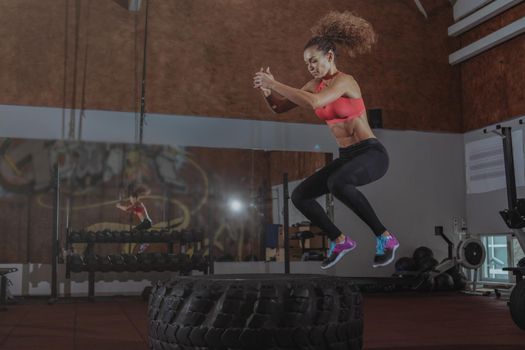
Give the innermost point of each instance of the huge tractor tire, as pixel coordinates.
(263, 311)
(517, 304)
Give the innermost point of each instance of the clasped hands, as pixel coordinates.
(264, 80)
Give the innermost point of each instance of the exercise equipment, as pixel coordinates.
(470, 253)
(3, 285)
(405, 264)
(444, 282)
(256, 312)
(422, 253)
(145, 262)
(514, 218)
(423, 273)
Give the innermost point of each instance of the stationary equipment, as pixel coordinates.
(514, 218)
(469, 253)
(422, 272)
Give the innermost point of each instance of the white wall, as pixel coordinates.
(423, 188)
(482, 209)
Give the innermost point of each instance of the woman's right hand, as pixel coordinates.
(266, 92)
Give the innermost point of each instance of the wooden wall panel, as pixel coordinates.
(298, 165)
(202, 55)
(493, 83)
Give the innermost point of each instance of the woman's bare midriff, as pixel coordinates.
(351, 131)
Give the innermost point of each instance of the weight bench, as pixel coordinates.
(3, 286)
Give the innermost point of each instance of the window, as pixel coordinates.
(497, 258)
(517, 251)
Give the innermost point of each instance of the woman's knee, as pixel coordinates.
(297, 197)
(335, 184)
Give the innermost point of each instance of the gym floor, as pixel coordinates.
(393, 322)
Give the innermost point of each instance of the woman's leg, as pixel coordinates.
(363, 168)
(144, 225)
(343, 185)
(304, 199)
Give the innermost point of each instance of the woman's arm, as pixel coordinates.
(276, 103)
(340, 86)
(123, 207)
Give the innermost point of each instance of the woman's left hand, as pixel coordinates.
(263, 79)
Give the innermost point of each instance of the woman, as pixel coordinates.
(139, 209)
(336, 98)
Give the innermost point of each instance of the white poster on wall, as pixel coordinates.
(485, 167)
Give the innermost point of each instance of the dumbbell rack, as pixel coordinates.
(184, 238)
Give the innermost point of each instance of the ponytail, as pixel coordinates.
(355, 34)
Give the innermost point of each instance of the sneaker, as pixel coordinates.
(339, 250)
(386, 247)
(143, 247)
(332, 246)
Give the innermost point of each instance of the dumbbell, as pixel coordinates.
(155, 236)
(184, 263)
(160, 262)
(136, 236)
(117, 262)
(84, 236)
(101, 236)
(147, 236)
(116, 237)
(186, 236)
(90, 237)
(172, 262)
(91, 262)
(176, 236)
(125, 236)
(130, 261)
(76, 263)
(198, 262)
(104, 263)
(75, 237)
(145, 262)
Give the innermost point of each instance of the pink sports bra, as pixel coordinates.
(340, 110)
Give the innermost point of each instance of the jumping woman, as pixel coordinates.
(336, 98)
(138, 208)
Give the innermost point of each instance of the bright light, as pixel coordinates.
(236, 205)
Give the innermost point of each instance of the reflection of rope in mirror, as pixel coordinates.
(204, 198)
(278, 198)
(112, 202)
(201, 202)
(84, 79)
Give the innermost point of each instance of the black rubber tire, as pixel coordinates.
(517, 304)
(263, 311)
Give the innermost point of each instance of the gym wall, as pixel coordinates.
(190, 188)
(482, 209)
(202, 55)
(200, 95)
(493, 83)
(424, 187)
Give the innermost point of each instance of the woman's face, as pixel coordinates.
(318, 62)
(133, 200)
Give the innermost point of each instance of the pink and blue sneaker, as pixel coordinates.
(386, 247)
(337, 251)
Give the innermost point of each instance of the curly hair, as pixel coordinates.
(355, 34)
(137, 190)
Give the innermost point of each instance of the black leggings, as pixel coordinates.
(144, 225)
(357, 165)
